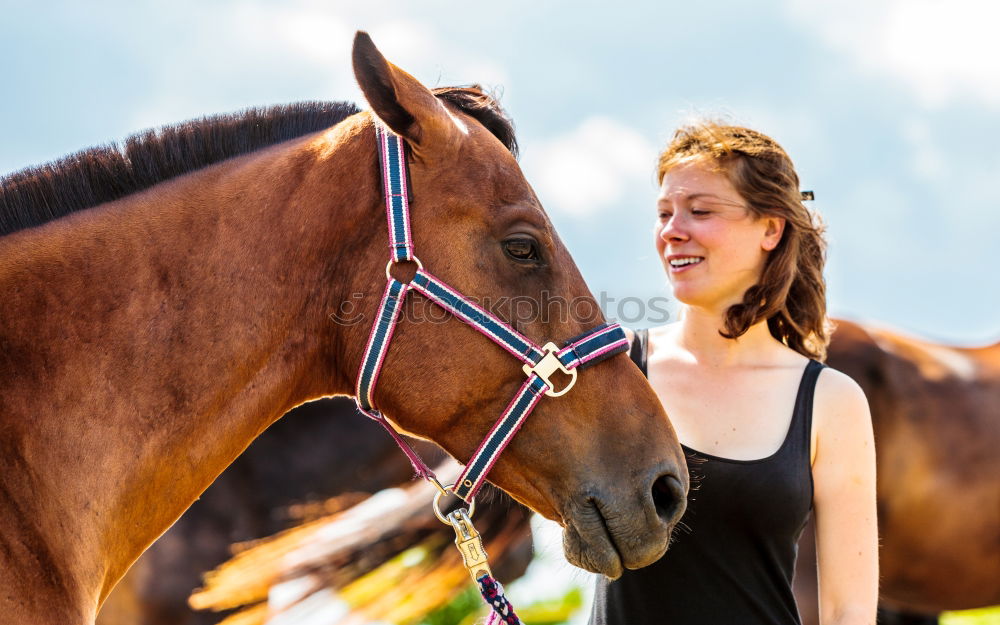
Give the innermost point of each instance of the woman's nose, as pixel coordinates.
(673, 230)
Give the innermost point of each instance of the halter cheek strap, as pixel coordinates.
(538, 363)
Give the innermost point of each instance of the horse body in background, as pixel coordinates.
(149, 337)
(936, 416)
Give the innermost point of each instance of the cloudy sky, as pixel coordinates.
(889, 109)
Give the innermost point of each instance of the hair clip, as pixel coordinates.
(808, 196)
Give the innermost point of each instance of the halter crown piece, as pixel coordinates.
(539, 363)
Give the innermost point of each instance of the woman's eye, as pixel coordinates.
(696, 211)
(521, 249)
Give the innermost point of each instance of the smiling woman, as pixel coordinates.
(725, 176)
(745, 259)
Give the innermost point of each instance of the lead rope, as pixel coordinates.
(492, 592)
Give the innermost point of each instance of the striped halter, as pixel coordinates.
(539, 362)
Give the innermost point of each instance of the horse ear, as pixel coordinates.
(400, 101)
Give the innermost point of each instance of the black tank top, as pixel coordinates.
(733, 554)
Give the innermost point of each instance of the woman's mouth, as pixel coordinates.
(679, 264)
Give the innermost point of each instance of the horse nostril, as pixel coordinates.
(668, 497)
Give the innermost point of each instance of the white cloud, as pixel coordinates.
(315, 36)
(590, 168)
(296, 38)
(420, 49)
(942, 50)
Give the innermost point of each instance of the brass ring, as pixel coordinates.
(436, 505)
(391, 262)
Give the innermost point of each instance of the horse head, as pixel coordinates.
(603, 460)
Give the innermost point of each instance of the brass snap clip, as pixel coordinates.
(470, 544)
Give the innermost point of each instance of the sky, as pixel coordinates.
(888, 108)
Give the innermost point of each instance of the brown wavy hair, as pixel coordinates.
(791, 293)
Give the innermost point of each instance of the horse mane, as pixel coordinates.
(44, 193)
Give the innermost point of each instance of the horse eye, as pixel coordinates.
(523, 250)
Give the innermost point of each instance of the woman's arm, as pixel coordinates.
(844, 502)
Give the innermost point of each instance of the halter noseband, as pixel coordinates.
(539, 362)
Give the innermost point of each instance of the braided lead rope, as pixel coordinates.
(474, 557)
(493, 595)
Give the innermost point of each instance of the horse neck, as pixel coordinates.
(165, 331)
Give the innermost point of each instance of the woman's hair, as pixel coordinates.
(791, 294)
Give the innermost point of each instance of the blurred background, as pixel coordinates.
(889, 109)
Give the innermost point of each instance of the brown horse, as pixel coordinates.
(936, 416)
(167, 301)
(938, 432)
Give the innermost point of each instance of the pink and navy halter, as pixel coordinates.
(539, 362)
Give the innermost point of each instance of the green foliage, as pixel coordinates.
(552, 611)
(982, 616)
(462, 609)
(468, 608)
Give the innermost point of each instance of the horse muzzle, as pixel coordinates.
(606, 532)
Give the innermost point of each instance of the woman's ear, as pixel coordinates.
(773, 232)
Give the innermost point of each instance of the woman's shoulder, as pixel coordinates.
(841, 415)
(838, 395)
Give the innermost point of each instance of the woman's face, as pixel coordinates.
(712, 247)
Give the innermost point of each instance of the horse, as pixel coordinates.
(936, 417)
(169, 299)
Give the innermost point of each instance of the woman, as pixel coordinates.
(770, 432)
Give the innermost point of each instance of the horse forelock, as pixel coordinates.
(485, 108)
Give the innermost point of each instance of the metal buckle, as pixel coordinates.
(548, 365)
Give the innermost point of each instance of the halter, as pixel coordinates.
(539, 363)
